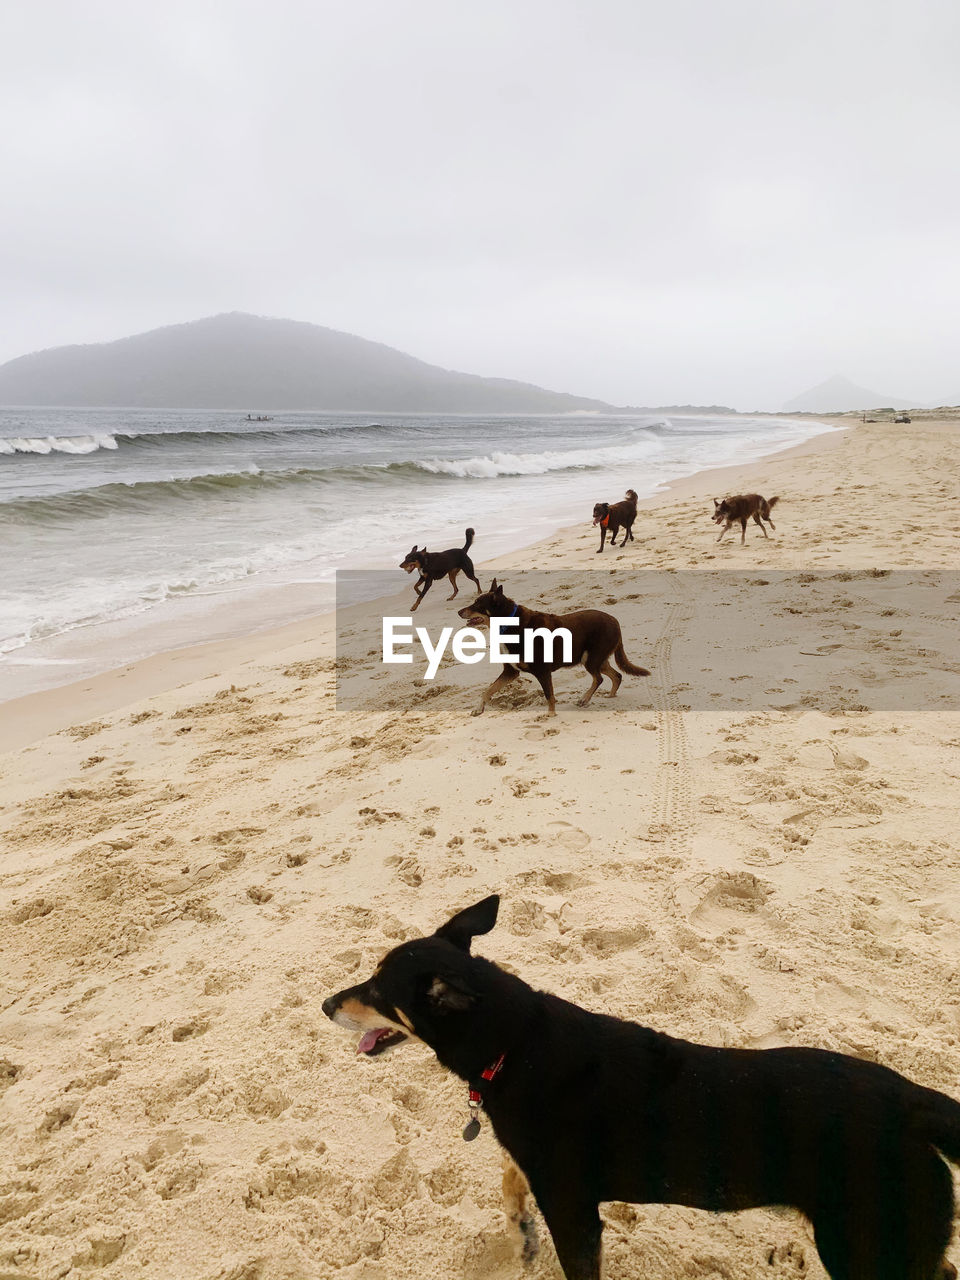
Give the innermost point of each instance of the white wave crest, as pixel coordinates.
(488, 466)
(494, 464)
(57, 444)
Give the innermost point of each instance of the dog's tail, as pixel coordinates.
(768, 506)
(624, 663)
(939, 1118)
(469, 542)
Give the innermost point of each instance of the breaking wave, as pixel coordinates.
(140, 494)
(57, 444)
(155, 441)
(490, 466)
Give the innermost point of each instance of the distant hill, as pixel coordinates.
(254, 363)
(712, 410)
(838, 395)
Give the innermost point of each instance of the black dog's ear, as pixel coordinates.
(716, 503)
(467, 924)
(493, 585)
(451, 995)
(413, 550)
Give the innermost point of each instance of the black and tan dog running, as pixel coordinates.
(595, 638)
(611, 516)
(743, 507)
(433, 565)
(590, 1108)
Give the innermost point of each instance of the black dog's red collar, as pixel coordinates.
(487, 1074)
(476, 1099)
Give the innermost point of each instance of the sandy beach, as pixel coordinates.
(756, 846)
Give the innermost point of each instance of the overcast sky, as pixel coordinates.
(688, 200)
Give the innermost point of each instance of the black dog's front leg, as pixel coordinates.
(576, 1229)
(603, 538)
(427, 584)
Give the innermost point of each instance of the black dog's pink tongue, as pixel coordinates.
(367, 1041)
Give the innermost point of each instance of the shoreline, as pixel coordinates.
(30, 716)
(64, 631)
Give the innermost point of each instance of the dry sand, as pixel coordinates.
(186, 872)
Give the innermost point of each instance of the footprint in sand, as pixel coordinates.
(188, 1030)
(222, 980)
(446, 1184)
(569, 836)
(264, 1101)
(490, 1257)
(731, 895)
(787, 1259)
(234, 835)
(159, 1104)
(526, 917)
(609, 942)
(58, 1117)
(9, 1073)
(178, 1178)
(35, 909)
(564, 881)
(846, 1002)
(407, 869)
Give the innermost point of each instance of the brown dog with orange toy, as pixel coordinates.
(612, 517)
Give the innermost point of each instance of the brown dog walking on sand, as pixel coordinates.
(595, 638)
(611, 517)
(743, 507)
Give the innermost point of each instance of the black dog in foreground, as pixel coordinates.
(743, 507)
(595, 638)
(591, 1108)
(611, 516)
(433, 565)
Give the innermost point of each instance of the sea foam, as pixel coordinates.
(57, 444)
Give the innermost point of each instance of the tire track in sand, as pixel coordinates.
(672, 820)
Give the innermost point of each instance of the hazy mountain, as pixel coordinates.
(837, 395)
(253, 363)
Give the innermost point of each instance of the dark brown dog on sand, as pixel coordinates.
(433, 565)
(611, 517)
(743, 507)
(595, 638)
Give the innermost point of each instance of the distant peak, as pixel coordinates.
(839, 395)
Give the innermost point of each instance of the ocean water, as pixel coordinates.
(108, 514)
